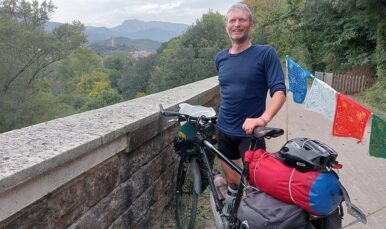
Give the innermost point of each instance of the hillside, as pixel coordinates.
(154, 30)
(133, 29)
(123, 44)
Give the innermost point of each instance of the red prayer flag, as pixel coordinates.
(350, 118)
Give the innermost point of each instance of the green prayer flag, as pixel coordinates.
(378, 137)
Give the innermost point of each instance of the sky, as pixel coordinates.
(110, 13)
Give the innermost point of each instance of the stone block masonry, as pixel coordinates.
(112, 167)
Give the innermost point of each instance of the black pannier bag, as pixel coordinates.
(260, 210)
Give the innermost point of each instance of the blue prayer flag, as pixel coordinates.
(297, 77)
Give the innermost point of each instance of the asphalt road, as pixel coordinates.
(363, 176)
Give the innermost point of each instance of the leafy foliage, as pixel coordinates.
(327, 35)
(135, 76)
(107, 97)
(189, 57)
(48, 75)
(122, 44)
(27, 54)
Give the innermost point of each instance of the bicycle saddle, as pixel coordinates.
(267, 132)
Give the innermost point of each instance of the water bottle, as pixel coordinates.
(229, 199)
(221, 186)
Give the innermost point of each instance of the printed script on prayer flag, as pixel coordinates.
(350, 118)
(322, 99)
(297, 77)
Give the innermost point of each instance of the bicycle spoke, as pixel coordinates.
(186, 198)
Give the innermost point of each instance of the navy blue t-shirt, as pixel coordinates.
(245, 79)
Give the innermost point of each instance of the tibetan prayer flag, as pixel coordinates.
(322, 99)
(297, 78)
(378, 137)
(350, 118)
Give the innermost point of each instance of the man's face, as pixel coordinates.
(238, 26)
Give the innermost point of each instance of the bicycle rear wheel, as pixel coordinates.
(187, 190)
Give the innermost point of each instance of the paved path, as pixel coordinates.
(363, 176)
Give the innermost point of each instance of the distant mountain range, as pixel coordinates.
(133, 29)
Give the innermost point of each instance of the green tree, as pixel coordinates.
(113, 62)
(69, 70)
(189, 57)
(209, 31)
(94, 83)
(275, 23)
(135, 77)
(81, 81)
(105, 98)
(28, 51)
(175, 70)
(347, 34)
(328, 35)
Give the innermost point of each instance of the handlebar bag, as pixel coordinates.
(260, 210)
(184, 145)
(317, 192)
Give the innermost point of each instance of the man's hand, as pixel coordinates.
(274, 106)
(250, 124)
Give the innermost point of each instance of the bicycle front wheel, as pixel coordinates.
(187, 190)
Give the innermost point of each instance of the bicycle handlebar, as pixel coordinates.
(168, 113)
(258, 132)
(185, 116)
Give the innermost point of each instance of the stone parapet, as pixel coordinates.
(110, 167)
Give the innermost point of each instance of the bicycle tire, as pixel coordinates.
(187, 190)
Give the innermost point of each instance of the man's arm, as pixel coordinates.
(273, 107)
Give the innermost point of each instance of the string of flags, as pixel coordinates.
(349, 117)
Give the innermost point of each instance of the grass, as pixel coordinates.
(204, 217)
(359, 98)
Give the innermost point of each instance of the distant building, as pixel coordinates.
(142, 53)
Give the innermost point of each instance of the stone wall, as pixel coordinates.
(108, 168)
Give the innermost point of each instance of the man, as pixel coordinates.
(246, 73)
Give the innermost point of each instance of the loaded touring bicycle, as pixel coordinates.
(293, 188)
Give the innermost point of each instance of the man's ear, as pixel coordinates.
(251, 27)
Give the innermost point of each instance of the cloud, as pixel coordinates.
(114, 12)
(154, 8)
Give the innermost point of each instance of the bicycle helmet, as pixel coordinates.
(308, 154)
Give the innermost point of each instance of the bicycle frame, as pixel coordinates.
(232, 219)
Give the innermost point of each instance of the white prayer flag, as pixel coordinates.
(322, 99)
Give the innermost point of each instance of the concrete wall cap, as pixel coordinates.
(34, 150)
